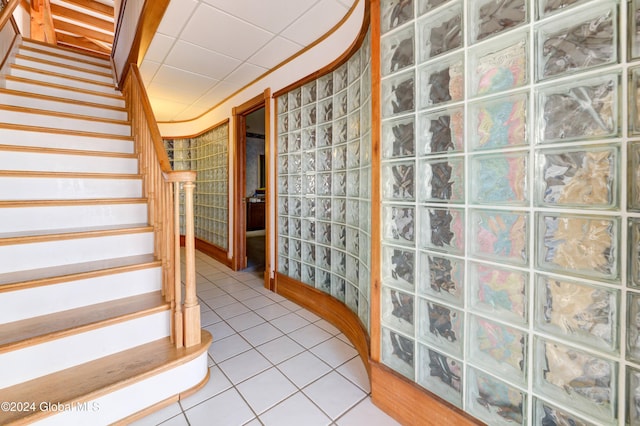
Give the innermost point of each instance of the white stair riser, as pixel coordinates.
(64, 123)
(56, 50)
(63, 93)
(64, 61)
(124, 402)
(36, 188)
(15, 99)
(64, 141)
(38, 360)
(63, 70)
(19, 304)
(22, 257)
(70, 82)
(35, 161)
(23, 219)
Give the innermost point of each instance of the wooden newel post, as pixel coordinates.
(178, 326)
(191, 306)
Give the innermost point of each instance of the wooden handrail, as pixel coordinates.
(162, 186)
(7, 12)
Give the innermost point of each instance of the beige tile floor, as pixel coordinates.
(271, 362)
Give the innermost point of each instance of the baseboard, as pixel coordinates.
(411, 404)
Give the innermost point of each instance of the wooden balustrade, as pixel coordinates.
(161, 186)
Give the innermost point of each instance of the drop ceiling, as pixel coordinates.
(206, 50)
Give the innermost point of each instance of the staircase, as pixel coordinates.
(85, 333)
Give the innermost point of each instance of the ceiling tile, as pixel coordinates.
(219, 32)
(245, 74)
(200, 60)
(216, 95)
(165, 110)
(191, 112)
(309, 28)
(176, 16)
(159, 47)
(276, 51)
(272, 15)
(148, 70)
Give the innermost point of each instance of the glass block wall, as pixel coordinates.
(208, 155)
(510, 144)
(324, 189)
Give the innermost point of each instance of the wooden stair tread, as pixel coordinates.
(95, 55)
(59, 99)
(62, 56)
(55, 74)
(27, 128)
(36, 330)
(64, 151)
(96, 378)
(71, 233)
(47, 112)
(63, 87)
(65, 66)
(55, 274)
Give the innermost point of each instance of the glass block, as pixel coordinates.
(354, 66)
(309, 255)
(441, 82)
(295, 99)
(399, 224)
(308, 207)
(394, 13)
(442, 229)
(283, 265)
(323, 208)
(425, 6)
(339, 211)
(498, 348)
(295, 248)
(548, 414)
(495, 16)
(494, 401)
(295, 119)
(295, 227)
(633, 181)
(353, 125)
(283, 185)
(283, 246)
(499, 235)
(365, 150)
(352, 272)
(588, 107)
(398, 94)
(340, 78)
(309, 184)
(365, 183)
(338, 236)
(634, 31)
(440, 131)
(323, 281)
(339, 161)
(442, 277)
(353, 154)
(499, 123)
(283, 205)
(283, 104)
(308, 274)
(309, 93)
(324, 158)
(295, 206)
(547, 7)
(579, 245)
(340, 131)
(353, 183)
(294, 142)
(353, 241)
(283, 164)
(339, 263)
(353, 213)
(323, 257)
(584, 177)
(283, 225)
(396, 51)
(499, 292)
(497, 67)
(308, 230)
(398, 181)
(351, 298)
(441, 180)
(397, 352)
(309, 115)
(339, 184)
(340, 108)
(338, 287)
(323, 233)
(365, 245)
(365, 216)
(633, 327)
(440, 32)
(441, 326)
(578, 312)
(325, 111)
(441, 374)
(579, 41)
(363, 312)
(577, 379)
(397, 310)
(398, 138)
(633, 396)
(283, 124)
(324, 86)
(398, 267)
(323, 184)
(295, 269)
(324, 135)
(500, 179)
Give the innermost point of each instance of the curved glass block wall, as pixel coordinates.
(208, 155)
(324, 183)
(510, 214)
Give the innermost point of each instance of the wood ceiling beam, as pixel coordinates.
(93, 5)
(82, 31)
(42, 28)
(74, 15)
(82, 43)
